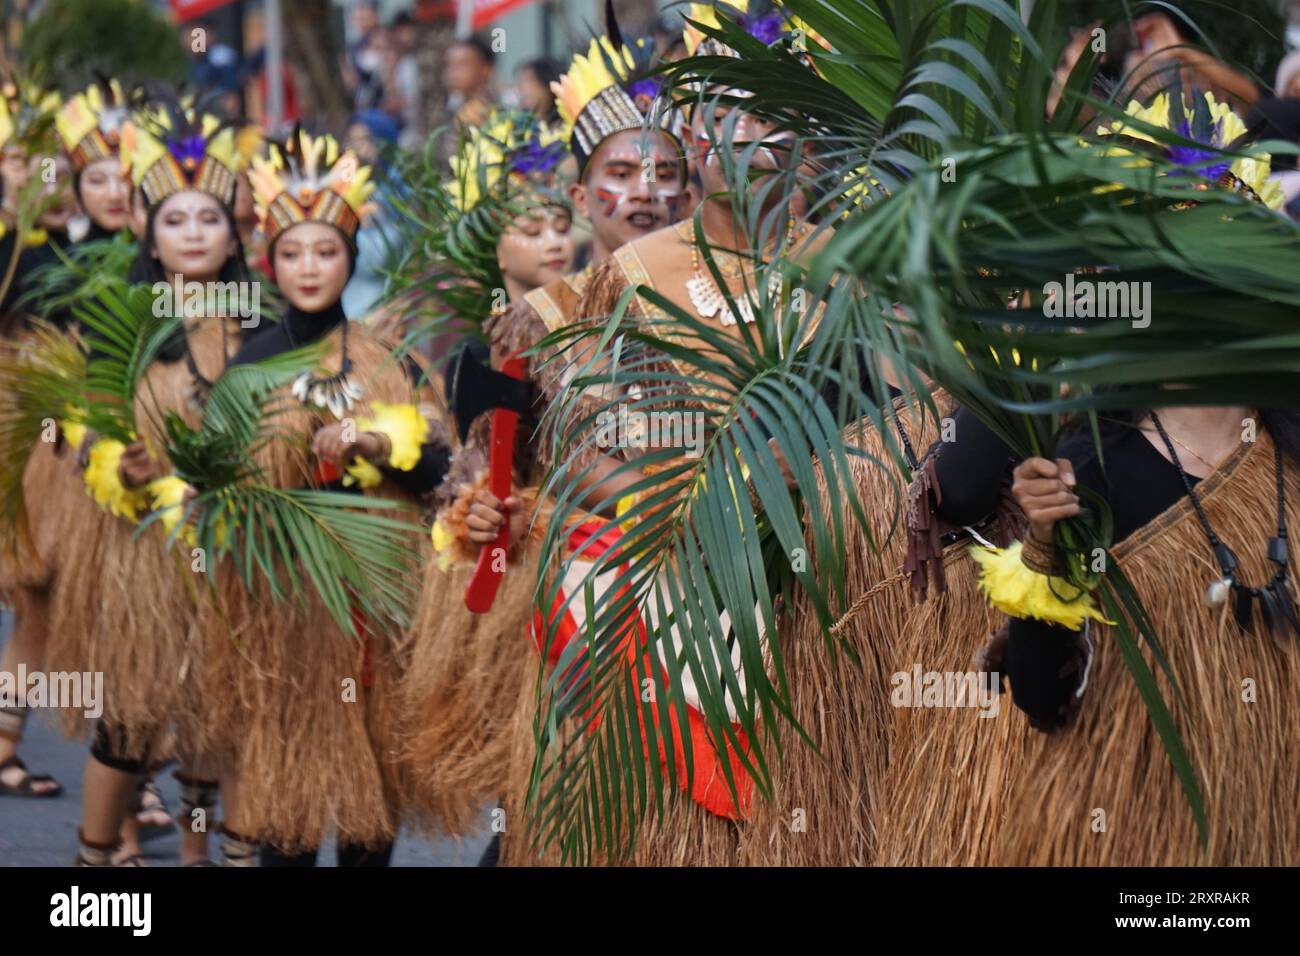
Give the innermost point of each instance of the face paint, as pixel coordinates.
(673, 200)
(609, 200)
(634, 187)
(704, 149)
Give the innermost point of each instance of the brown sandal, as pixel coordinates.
(151, 813)
(26, 788)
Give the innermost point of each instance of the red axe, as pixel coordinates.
(475, 388)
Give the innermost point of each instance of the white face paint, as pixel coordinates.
(720, 128)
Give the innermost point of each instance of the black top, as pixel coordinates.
(971, 469)
(1137, 483)
(97, 233)
(297, 329)
(294, 330)
(31, 261)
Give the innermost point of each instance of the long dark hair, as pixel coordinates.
(546, 71)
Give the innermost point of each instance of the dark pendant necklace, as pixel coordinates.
(201, 386)
(1276, 599)
(337, 392)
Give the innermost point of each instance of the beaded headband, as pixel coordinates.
(91, 123)
(309, 179)
(606, 91)
(170, 147)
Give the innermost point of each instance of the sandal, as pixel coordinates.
(239, 851)
(198, 801)
(100, 855)
(27, 788)
(151, 813)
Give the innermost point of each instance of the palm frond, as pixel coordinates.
(357, 554)
(124, 335)
(694, 544)
(82, 270)
(38, 377)
(942, 104)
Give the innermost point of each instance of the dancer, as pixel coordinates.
(631, 181)
(703, 829)
(102, 615)
(301, 717)
(466, 668)
(26, 121)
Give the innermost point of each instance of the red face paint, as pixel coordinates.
(610, 199)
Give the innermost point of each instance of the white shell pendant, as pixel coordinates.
(1218, 591)
(300, 386)
(709, 302)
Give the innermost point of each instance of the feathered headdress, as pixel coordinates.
(512, 150)
(1198, 116)
(170, 146)
(764, 20)
(608, 90)
(309, 179)
(91, 123)
(26, 116)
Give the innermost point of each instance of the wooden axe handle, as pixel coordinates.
(482, 589)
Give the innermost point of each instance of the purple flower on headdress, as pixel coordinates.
(1201, 161)
(766, 29)
(649, 87)
(188, 151)
(532, 157)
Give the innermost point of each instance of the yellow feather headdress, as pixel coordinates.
(1200, 117)
(764, 20)
(512, 148)
(171, 147)
(91, 123)
(606, 91)
(27, 116)
(309, 179)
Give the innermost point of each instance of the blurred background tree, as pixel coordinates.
(70, 40)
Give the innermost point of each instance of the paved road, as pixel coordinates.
(44, 832)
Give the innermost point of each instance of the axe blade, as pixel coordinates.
(475, 387)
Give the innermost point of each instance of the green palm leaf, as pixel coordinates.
(38, 378)
(82, 270)
(358, 555)
(911, 93)
(124, 337)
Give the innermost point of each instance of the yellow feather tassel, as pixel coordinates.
(104, 484)
(1015, 589)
